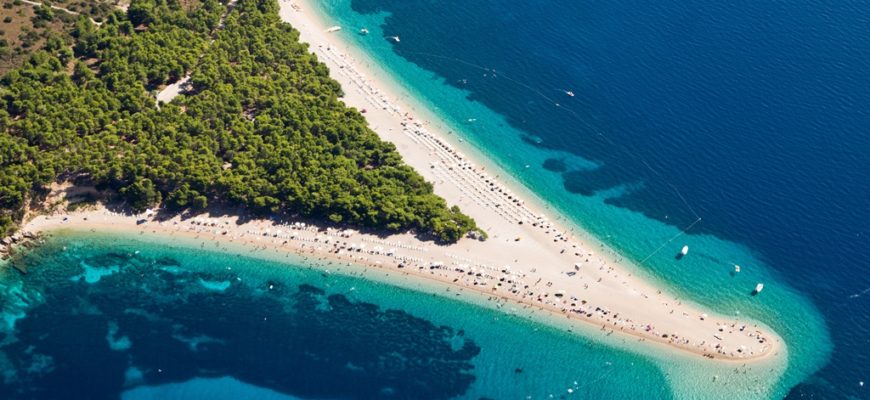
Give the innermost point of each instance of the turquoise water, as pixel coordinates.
(156, 324)
(225, 388)
(170, 318)
(464, 58)
(182, 322)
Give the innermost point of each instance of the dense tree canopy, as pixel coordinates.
(262, 127)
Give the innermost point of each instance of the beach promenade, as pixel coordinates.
(531, 259)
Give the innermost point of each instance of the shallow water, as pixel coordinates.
(748, 115)
(745, 114)
(156, 324)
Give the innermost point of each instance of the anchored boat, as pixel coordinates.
(758, 288)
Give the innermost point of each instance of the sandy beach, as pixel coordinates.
(529, 257)
(453, 266)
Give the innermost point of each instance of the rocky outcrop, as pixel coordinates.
(23, 239)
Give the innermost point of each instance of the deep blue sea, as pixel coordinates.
(109, 316)
(753, 116)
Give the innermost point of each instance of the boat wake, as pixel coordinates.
(859, 294)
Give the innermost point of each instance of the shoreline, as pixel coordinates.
(528, 259)
(327, 248)
(390, 86)
(364, 81)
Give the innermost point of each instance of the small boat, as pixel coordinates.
(395, 38)
(335, 28)
(758, 288)
(736, 268)
(682, 253)
(569, 93)
(364, 31)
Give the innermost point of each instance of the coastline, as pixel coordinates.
(329, 248)
(358, 74)
(527, 259)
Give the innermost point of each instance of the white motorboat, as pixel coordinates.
(758, 288)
